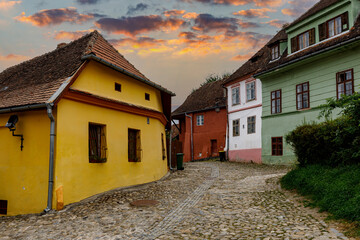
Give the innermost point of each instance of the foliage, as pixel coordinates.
(213, 78)
(333, 142)
(335, 190)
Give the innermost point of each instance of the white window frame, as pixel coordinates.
(235, 95)
(234, 127)
(199, 120)
(250, 91)
(304, 40)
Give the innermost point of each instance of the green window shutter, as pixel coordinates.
(294, 46)
(312, 36)
(345, 21)
(322, 31)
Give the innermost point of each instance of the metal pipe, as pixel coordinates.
(170, 150)
(51, 158)
(191, 137)
(228, 125)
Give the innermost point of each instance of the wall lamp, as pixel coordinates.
(11, 124)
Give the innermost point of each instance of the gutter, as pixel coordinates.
(195, 111)
(191, 137)
(308, 56)
(98, 59)
(51, 158)
(23, 108)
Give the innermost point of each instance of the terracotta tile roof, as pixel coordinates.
(36, 80)
(209, 96)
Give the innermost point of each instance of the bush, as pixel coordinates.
(335, 190)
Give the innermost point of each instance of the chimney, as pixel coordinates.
(60, 45)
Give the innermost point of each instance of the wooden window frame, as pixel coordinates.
(246, 84)
(238, 126)
(200, 120)
(138, 150)
(232, 96)
(344, 82)
(117, 87)
(273, 48)
(276, 98)
(253, 123)
(295, 40)
(344, 17)
(302, 96)
(100, 141)
(277, 146)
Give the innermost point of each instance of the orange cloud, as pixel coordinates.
(5, 5)
(298, 7)
(132, 26)
(13, 57)
(276, 23)
(259, 3)
(243, 57)
(289, 12)
(253, 13)
(70, 35)
(48, 17)
(190, 15)
(175, 12)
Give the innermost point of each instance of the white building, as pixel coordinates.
(244, 106)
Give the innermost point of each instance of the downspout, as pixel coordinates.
(51, 158)
(191, 136)
(228, 125)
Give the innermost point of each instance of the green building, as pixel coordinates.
(314, 58)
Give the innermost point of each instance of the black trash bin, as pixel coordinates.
(222, 156)
(180, 161)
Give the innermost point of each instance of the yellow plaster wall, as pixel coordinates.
(99, 79)
(24, 174)
(81, 179)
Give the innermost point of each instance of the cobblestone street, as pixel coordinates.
(208, 200)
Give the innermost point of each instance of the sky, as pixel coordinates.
(175, 43)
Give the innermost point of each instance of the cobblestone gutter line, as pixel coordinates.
(175, 216)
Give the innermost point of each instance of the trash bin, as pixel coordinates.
(179, 161)
(222, 156)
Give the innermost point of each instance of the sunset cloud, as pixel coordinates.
(13, 57)
(190, 15)
(207, 23)
(259, 3)
(242, 57)
(70, 35)
(132, 26)
(298, 7)
(254, 13)
(174, 13)
(87, 1)
(138, 8)
(276, 23)
(5, 5)
(55, 17)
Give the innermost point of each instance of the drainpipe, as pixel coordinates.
(191, 136)
(228, 126)
(51, 158)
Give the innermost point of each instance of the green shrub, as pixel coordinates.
(335, 190)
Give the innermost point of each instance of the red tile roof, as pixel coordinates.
(36, 80)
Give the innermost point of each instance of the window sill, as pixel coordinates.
(98, 160)
(235, 104)
(251, 100)
(303, 109)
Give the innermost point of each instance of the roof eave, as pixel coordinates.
(122, 70)
(195, 111)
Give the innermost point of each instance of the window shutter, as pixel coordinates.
(312, 36)
(322, 31)
(345, 21)
(294, 46)
(138, 147)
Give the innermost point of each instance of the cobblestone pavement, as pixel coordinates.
(208, 200)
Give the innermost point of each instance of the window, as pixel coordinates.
(251, 124)
(250, 91)
(236, 127)
(134, 145)
(275, 52)
(147, 96)
(277, 146)
(334, 26)
(303, 40)
(345, 83)
(235, 95)
(276, 101)
(200, 120)
(302, 96)
(3, 206)
(97, 143)
(163, 147)
(118, 87)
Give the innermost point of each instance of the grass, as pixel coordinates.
(335, 190)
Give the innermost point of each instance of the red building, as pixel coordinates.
(202, 122)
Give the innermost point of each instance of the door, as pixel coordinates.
(214, 150)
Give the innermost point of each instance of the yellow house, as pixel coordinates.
(75, 122)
